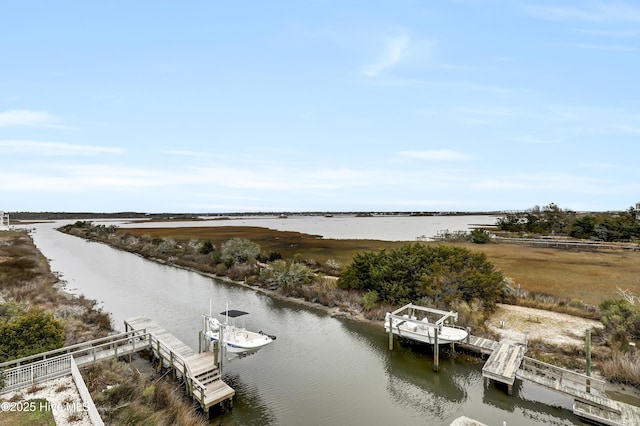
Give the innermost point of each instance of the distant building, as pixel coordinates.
(4, 224)
(638, 210)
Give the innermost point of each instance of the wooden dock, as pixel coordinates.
(479, 344)
(507, 362)
(200, 372)
(503, 363)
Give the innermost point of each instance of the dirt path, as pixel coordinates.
(551, 327)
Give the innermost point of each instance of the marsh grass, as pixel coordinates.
(587, 276)
(136, 395)
(25, 278)
(622, 367)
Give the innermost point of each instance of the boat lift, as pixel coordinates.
(414, 317)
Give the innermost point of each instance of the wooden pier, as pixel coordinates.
(200, 372)
(507, 362)
(503, 363)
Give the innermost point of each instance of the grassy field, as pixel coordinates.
(590, 276)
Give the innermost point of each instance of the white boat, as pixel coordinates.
(404, 322)
(235, 339)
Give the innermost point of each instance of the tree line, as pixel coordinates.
(553, 220)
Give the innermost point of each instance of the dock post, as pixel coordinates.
(453, 345)
(588, 354)
(436, 350)
(200, 341)
(390, 333)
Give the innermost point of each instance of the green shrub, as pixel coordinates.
(240, 250)
(29, 333)
(443, 274)
(369, 300)
(621, 319)
(480, 236)
(284, 274)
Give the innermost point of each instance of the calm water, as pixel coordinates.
(387, 228)
(320, 371)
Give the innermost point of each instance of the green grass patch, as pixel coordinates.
(35, 412)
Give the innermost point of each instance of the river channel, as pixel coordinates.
(321, 370)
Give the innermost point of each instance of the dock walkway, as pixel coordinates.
(503, 363)
(507, 362)
(200, 372)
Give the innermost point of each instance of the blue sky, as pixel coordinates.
(319, 105)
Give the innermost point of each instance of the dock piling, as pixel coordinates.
(390, 333)
(436, 350)
(588, 355)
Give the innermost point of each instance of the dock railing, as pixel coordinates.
(39, 368)
(37, 372)
(162, 351)
(138, 337)
(562, 377)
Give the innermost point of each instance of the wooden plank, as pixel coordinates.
(503, 363)
(596, 414)
(203, 364)
(217, 392)
(514, 361)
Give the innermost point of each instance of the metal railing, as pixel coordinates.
(45, 366)
(81, 348)
(37, 372)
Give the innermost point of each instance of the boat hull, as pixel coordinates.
(236, 340)
(426, 334)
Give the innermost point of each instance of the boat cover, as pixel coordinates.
(233, 313)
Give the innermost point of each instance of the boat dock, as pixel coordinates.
(200, 372)
(507, 362)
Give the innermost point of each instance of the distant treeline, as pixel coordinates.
(193, 216)
(89, 215)
(552, 220)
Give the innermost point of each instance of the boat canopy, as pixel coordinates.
(233, 313)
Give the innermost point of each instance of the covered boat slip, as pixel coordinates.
(424, 324)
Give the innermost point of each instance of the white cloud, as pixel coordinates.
(435, 155)
(23, 117)
(54, 148)
(395, 50)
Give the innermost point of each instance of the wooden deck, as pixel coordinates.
(199, 371)
(144, 323)
(479, 344)
(504, 362)
(507, 362)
